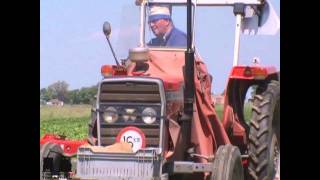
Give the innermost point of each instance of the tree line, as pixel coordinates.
(60, 90)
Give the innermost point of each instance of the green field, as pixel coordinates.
(247, 111)
(68, 120)
(72, 121)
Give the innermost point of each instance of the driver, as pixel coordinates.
(163, 28)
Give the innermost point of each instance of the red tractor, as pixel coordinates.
(158, 103)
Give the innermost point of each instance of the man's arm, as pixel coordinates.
(177, 39)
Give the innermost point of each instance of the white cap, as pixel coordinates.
(159, 12)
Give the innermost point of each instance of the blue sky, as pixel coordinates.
(73, 48)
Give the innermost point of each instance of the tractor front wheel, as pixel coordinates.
(264, 136)
(227, 164)
(50, 159)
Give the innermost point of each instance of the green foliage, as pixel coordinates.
(71, 121)
(72, 128)
(86, 95)
(45, 94)
(74, 97)
(247, 111)
(219, 111)
(59, 90)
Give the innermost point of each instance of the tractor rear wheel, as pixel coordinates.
(227, 164)
(264, 136)
(50, 158)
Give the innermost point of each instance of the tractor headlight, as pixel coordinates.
(129, 114)
(149, 115)
(110, 115)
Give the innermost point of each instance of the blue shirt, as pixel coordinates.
(175, 38)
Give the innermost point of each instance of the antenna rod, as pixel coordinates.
(114, 55)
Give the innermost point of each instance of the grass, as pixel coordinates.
(247, 111)
(219, 110)
(72, 120)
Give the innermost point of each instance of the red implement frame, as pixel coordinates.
(69, 147)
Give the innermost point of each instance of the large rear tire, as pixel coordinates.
(264, 136)
(227, 164)
(50, 159)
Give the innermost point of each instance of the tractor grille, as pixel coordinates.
(130, 94)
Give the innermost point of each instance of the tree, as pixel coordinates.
(83, 96)
(43, 92)
(73, 96)
(87, 94)
(59, 90)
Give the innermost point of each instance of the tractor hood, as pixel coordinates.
(168, 65)
(165, 65)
